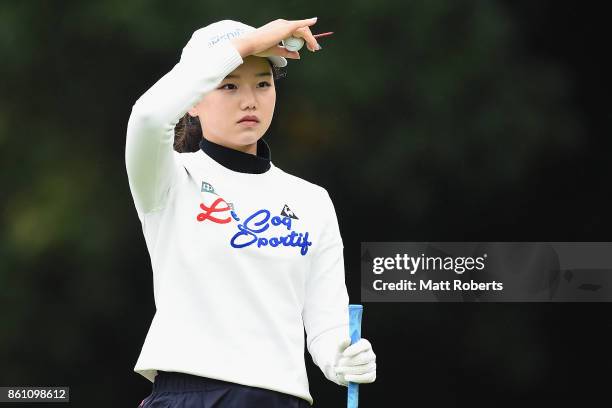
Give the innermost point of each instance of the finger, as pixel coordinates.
(288, 54)
(344, 344)
(280, 51)
(306, 34)
(362, 378)
(341, 380)
(361, 358)
(357, 348)
(356, 370)
(306, 22)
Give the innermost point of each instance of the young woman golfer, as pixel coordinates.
(245, 256)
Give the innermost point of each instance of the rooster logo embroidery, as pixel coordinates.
(288, 213)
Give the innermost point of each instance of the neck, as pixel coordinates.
(250, 149)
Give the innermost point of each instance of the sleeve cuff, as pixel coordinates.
(324, 350)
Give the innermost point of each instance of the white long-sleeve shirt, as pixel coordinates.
(242, 262)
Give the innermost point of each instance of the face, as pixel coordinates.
(248, 90)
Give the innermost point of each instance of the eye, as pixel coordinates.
(265, 85)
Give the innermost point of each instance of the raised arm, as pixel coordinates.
(149, 151)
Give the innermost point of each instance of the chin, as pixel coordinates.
(240, 137)
(249, 137)
(245, 140)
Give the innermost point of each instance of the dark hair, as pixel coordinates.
(188, 130)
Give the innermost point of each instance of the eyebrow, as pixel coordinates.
(261, 74)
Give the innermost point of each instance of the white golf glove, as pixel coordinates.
(355, 363)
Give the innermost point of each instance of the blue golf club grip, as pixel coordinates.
(355, 313)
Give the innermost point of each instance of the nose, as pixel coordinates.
(248, 99)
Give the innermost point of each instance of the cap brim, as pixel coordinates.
(278, 61)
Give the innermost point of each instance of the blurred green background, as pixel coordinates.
(481, 120)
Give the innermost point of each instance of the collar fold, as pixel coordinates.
(236, 160)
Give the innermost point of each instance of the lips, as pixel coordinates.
(251, 118)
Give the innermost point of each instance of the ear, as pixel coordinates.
(193, 112)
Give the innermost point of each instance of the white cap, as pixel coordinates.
(222, 31)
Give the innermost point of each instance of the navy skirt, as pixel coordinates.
(179, 390)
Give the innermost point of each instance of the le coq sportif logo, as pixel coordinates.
(279, 229)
